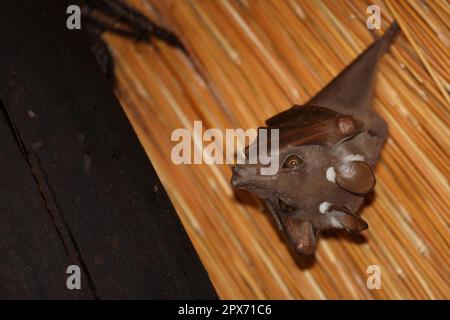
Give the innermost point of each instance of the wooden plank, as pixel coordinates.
(96, 178)
(33, 259)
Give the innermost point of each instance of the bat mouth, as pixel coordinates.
(283, 205)
(240, 182)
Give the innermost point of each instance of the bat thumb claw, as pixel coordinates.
(350, 222)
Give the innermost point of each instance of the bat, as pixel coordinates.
(328, 148)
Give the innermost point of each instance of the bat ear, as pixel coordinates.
(349, 221)
(355, 176)
(302, 234)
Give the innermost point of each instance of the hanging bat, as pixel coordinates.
(328, 148)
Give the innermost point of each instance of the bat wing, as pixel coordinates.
(351, 91)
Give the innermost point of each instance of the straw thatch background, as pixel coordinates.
(250, 59)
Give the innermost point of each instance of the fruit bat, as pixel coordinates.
(328, 148)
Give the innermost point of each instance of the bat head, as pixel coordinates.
(323, 175)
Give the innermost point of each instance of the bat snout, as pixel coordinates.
(242, 175)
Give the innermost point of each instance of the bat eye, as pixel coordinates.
(293, 161)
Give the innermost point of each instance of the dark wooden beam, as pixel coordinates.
(76, 185)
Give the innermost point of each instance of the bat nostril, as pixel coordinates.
(236, 168)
